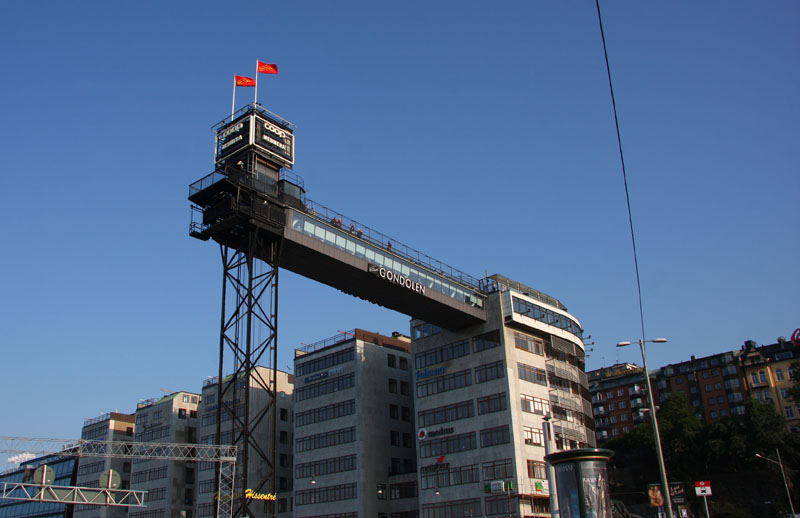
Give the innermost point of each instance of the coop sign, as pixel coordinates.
(396, 278)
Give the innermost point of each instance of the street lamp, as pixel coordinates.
(785, 484)
(661, 468)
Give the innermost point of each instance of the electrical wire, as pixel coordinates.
(624, 173)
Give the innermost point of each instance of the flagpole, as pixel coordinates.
(255, 98)
(233, 97)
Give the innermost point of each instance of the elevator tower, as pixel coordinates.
(242, 206)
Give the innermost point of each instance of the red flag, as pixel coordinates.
(244, 81)
(267, 68)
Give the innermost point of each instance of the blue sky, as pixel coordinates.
(479, 133)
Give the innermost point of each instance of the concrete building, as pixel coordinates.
(481, 395)
(113, 426)
(354, 431)
(619, 399)
(263, 415)
(170, 485)
(768, 374)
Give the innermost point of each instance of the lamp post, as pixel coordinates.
(656, 434)
(785, 484)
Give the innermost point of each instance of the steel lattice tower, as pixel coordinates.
(241, 206)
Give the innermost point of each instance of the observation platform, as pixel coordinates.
(328, 247)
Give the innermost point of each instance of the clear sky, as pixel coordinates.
(480, 133)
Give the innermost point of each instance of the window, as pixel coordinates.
(779, 374)
(325, 440)
(325, 413)
(403, 363)
(448, 444)
(708, 388)
(532, 344)
(444, 383)
(405, 414)
(498, 469)
(489, 371)
(445, 414)
(394, 412)
(392, 360)
(393, 386)
(327, 386)
(536, 469)
(284, 414)
(494, 436)
(762, 376)
(499, 504)
(425, 330)
(325, 466)
(534, 405)
(788, 412)
(394, 438)
(452, 476)
(441, 354)
(533, 436)
(532, 374)
(486, 341)
(284, 437)
(623, 404)
(492, 403)
(325, 362)
(404, 388)
(326, 494)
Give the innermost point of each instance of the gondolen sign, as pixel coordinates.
(396, 278)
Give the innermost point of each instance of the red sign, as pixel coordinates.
(702, 488)
(796, 337)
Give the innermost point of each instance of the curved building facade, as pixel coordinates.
(481, 396)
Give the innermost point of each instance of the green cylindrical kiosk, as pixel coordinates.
(582, 482)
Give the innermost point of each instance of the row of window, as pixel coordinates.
(489, 371)
(325, 413)
(534, 405)
(441, 354)
(532, 374)
(326, 494)
(325, 466)
(465, 441)
(528, 309)
(326, 439)
(149, 474)
(94, 467)
(532, 344)
(211, 417)
(158, 493)
(154, 434)
(457, 349)
(327, 386)
(325, 362)
(445, 383)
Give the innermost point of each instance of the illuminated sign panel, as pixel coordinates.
(257, 131)
(278, 141)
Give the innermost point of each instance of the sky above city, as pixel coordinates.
(480, 133)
